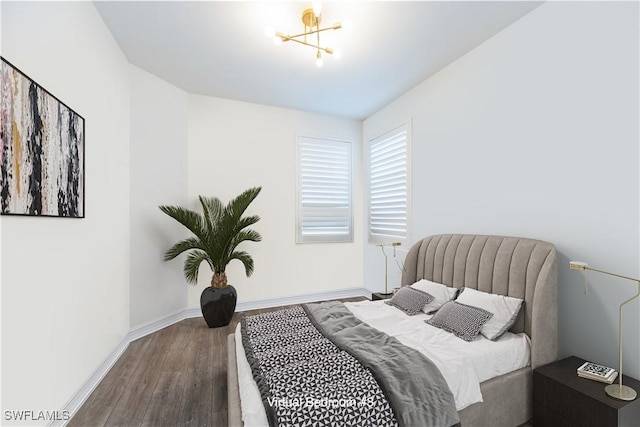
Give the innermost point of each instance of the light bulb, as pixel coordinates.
(319, 61)
(347, 24)
(270, 31)
(277, 40)
(337, 53)
(317, 8)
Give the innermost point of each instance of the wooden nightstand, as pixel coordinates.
(561, 398)
(378, 295)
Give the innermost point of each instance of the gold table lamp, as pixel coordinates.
(386, 269)
(617, 391)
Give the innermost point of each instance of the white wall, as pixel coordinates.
(158, 176)
(65, 282)
(535, 134)
(234, 146)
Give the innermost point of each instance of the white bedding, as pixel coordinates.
(464, 365)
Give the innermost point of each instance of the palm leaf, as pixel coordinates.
(212, 208)
(246, 222)
(190, 219)
(232, 223)
(236, 207)
(184, 245)
(217, 232)
(243, 236)
(192, 265)
(246, 259)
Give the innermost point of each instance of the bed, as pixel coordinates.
(510, 266)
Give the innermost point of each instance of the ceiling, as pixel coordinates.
(220, 48)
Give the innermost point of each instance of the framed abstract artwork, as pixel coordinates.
(41, 150)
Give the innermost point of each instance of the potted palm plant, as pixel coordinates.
(217, 234)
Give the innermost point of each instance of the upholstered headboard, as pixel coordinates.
(512, 266)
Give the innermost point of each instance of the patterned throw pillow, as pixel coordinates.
(462, 320)
(410, 300)
(505, 310)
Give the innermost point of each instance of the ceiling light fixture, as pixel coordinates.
(311, 19)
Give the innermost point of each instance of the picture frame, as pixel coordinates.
(41, 150)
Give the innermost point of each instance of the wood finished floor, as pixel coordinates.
(174, 377)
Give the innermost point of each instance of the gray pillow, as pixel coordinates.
(462, 320)
(410, 300)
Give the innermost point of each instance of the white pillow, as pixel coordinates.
(441, 294)
(505, 310)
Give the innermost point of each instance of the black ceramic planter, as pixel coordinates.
(218, 305)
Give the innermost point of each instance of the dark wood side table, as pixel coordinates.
(379, 295)
(561, 398)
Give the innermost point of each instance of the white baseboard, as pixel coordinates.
(80, 396)
(78, 399)
(155, 325)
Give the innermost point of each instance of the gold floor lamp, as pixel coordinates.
(618, 391)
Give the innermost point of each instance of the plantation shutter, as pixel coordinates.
(324, 191)
(389, 186)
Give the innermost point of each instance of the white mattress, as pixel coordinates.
(464, 365)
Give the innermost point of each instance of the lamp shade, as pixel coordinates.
(578, 265)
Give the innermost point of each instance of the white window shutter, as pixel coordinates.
(389, 186)
(324, 191)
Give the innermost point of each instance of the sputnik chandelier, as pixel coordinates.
(311, 19)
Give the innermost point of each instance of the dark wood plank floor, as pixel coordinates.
(174, 377)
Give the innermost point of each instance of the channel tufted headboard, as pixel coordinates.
(512, 266)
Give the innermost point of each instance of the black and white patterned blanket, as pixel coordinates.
(318, 364)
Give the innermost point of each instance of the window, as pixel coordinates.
(389, 186)
(324, 191)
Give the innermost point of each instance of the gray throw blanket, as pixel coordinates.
(319, 365)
